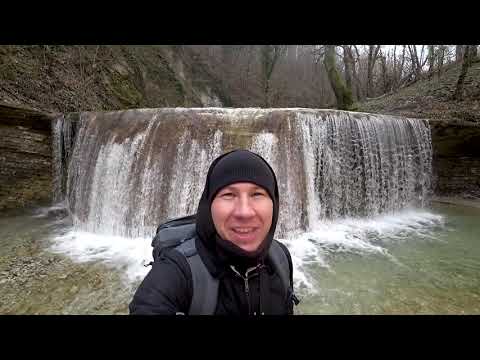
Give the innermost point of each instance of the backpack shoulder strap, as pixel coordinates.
(282, 264)
(205, 286)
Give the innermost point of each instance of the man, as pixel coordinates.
(235, 223)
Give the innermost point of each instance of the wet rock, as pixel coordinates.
(58, 213)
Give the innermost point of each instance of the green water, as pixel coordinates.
(427, 276)
(436, 275)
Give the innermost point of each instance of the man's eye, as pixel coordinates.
(258, 194)
(226, 195)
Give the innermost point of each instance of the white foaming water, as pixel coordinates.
(110, 179)
(353, 236)
(357, 236)
(126, 254)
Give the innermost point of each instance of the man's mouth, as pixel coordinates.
(243, 230)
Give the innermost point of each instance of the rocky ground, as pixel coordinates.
(35, 280)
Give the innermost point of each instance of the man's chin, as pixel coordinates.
(249, 247)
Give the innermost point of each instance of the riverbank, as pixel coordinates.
(35, 280)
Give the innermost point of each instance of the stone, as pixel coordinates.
(25, 157)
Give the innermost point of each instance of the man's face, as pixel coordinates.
(242, 213)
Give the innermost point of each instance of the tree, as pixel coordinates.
(431, 60)
(384, 72)
(349, 66)
(356, 61)
(416, 65)
(372, 58)
(269, 54)
(342, 94)
(440, 56)
(400, 68)
(473, 51)
(467, 52)
(459, 52)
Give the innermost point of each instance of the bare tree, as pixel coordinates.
(269, 57)
(458, 94)
(440, 56)
(474, 51)
(300, 75)
(384, 72)
(400, 69)
(431, 60)
(349, 64)
(459, 52)
(356, 64)
(416, 66)
(372, 58)
(342, 93)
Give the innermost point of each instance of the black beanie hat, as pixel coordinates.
(241, 166)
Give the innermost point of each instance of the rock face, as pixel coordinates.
(456, 158)
(25, 157)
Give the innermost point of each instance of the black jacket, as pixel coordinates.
(167, 288)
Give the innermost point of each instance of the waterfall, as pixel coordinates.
(63, 133)
(128, 171)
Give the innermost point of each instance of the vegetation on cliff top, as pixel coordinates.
(415, 81)
(87, 78)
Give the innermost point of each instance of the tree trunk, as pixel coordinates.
(342, 94)
(394, 71)
(383, 62)
(473, 51)
(402, 64)
(266, 92)
(349, 64)
(247, 71)
(372, 58)
(270, 54)
(458, 95)
(358, 85)
(440, 59)
(459, 51)
(431, 60)
(416, 67)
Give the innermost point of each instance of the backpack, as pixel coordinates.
(180, 234)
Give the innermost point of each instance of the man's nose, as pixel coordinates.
(243, 207)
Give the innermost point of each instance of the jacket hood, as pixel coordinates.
(231, 167)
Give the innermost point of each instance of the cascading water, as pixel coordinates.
(63, 137)
(131, 170)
